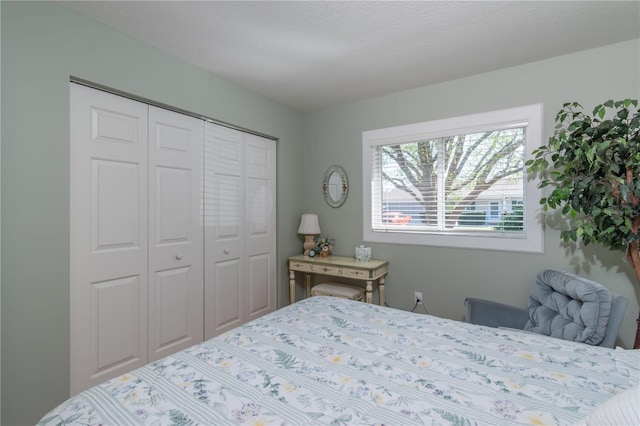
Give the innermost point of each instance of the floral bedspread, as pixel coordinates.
(333, 361)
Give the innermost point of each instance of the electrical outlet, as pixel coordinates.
(418, 296)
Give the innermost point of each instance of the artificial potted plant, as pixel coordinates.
(592, 162)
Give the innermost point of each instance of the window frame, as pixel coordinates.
(532, 240)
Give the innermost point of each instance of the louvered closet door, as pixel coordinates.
(240, 228)
(175, 232)
(260, 247)
(108, 236)
(223, 229)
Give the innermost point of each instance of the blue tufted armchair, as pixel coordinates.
(561, 305)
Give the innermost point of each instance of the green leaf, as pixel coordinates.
(179, 418)
(578, 124)
(452, 418)
(561, 117)
(345, 418)
(623, 113)
(314, 415)
(285, 360)
(588, 229)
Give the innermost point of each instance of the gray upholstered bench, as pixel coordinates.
(345, 291)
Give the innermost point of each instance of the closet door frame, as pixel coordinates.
(133, 333)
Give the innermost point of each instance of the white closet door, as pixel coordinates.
(224, 229)
(108, 236)
(240, 228)
(175, 233)
(260, 247)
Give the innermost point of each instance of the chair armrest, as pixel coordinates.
(618, 306)
(494, 314)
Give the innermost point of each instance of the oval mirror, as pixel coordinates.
(335, 186)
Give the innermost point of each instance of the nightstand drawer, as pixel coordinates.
(300, 266)
(324, 269)
(356, 273)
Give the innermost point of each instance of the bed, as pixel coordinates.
(333, 361)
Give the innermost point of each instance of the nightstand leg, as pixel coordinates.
(381, 290)
(308, 285)
(369, 295)
(292, 287)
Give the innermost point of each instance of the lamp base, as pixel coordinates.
(309, 244)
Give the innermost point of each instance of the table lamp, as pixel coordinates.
(309, 226)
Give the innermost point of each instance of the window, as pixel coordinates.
(457, 182)
(495, 209)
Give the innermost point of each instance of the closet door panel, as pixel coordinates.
(260, 222)
(115, 224)
(260, 291)
(224, 301)
(172, 301)
(108, 236)
(114, 202)
(114, 305)
(175, 249)
(173, 206)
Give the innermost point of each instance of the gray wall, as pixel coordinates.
(0, 205)
(446, 275)
(42, 45)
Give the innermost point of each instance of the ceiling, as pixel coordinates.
(315, 54)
